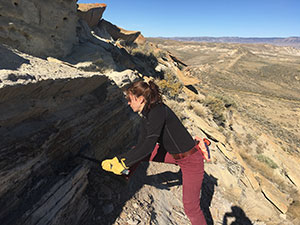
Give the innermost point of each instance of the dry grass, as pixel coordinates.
(199, 109)
(265, 159)
(258, 166)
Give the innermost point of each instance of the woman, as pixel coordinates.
(163, 138)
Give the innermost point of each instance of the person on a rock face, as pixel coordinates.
(163, 138)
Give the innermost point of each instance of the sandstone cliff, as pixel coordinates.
(42, 28)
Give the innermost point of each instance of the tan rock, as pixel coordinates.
(185, 78)
(274, 195)
(288, 162)
(228, 182)
(119, 33)
(91, 13)
(248, 173)
(191, 94)
(210, 131)
(41, 28)
(234, 156)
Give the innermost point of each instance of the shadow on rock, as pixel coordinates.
(10, 60)
(164, 180)
(109, 193)
(239, 215)
(208, 189)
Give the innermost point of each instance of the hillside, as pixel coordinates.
(261, 82)
(61, 103)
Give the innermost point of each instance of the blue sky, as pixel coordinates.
(216, 18)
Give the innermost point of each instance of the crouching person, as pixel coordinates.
(163, 138)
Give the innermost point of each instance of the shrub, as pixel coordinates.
(169, 86)
(249, 139)
(237, 140)
(199, 110)
(259, 148)
(217, 108)
(264, 159)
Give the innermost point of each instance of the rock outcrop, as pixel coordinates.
(42, 28)
(117, 33)
(48, 112)
(91, 13)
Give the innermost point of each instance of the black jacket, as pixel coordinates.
(159, 125)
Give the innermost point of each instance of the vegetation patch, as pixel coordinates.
(257, 165)
(217, 108)
(264, 159)
(169, 86)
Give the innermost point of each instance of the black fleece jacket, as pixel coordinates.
(159, 125)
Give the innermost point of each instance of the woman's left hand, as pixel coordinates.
(114, 165)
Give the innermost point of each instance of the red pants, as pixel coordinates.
(192, 168)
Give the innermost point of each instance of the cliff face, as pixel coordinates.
(50, 109)
(43, 125)
(43, 28)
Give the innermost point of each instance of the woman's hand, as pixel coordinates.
(114, 165)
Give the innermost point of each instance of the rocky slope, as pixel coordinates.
(51, 108)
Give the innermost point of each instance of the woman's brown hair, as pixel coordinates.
(150, 91)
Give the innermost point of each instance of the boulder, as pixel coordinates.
(91, 13)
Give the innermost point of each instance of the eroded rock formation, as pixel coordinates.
(116, 33)
(91, 13)
(42, 28)
(43, 125)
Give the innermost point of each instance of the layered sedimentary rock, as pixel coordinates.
(44, 121)
(105, 27)
(42, 28)
(91, 13)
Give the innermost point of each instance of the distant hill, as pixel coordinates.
(289, 41)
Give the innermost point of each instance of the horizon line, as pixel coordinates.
(220, 37)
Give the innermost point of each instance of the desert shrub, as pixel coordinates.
(228, 102)
(237, 140)
(199, 110)
(249, 139)
(169, 86)
(265, 159)
(217, 108)
(257, 165)
(259, 148)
